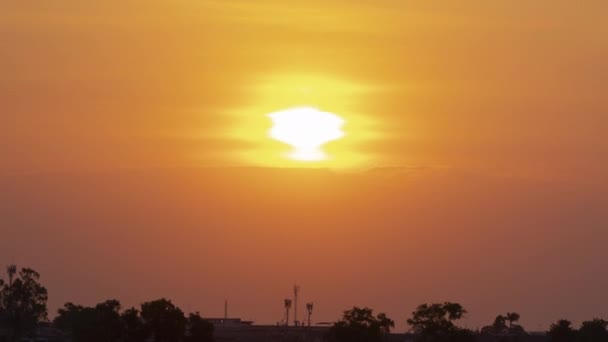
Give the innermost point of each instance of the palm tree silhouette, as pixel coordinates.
(512, 317)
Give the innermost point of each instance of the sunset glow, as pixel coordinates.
(379, 153)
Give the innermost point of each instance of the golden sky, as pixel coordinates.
(127, 124)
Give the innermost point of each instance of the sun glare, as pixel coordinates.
(306, 129)
(303, 121)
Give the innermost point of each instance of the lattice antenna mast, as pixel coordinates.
(309, 311)
(296, 291)
(287, 303)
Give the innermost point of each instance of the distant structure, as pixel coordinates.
(287, 303)
(225, 308)
(296, 290)
(228, 323)
(309, 311)
(287, 306)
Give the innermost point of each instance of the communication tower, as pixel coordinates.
(296, 290)
(287, 303)
(309, 311)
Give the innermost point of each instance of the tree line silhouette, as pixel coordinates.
(23, 307)
(158, 319)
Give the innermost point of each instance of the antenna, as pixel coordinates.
(296, 290)
(287, 302)
(225, 309)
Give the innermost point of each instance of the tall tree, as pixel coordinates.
(562, 331)
(436, 322)
(23, 299)
(360, 325)
(165, 321)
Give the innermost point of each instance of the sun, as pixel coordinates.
(306, 130)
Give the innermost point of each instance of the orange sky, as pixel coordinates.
(134, 160)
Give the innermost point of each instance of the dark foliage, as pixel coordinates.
(199, 330)
(133, 325)
(593, 331)
(360, 325)
(101, 323)
(165, 321)
(159, 320)
(435, 323)
(500, 327)
(562, 331)
(23, 301)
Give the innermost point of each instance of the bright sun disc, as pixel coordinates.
(306, 129)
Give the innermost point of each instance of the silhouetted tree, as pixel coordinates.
(11, 270)
(76, 321)
(360, 325)
(512, 317)
(101, 323)
(562, 331)
(159, 319)
(134, 329)
(199, 330)
(500, 327)
(462, 335)
(593, 331)
(66, 316)
(435, 322)
(23, 300)
(110, 327)
(165, 321)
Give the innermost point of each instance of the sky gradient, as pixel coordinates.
(135, 162)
